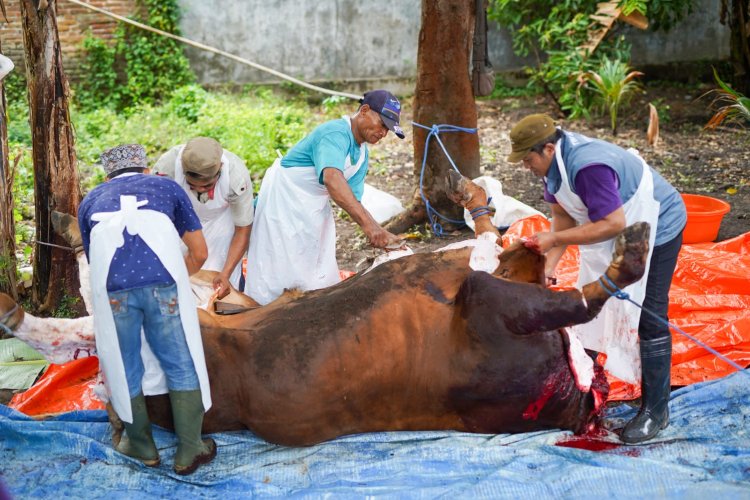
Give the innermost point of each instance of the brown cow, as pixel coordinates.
(419, 343)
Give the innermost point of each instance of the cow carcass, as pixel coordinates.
(418, 343)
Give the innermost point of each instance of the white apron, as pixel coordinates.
(614, 330)
(294, 234)
(216, 219)
(158, 232)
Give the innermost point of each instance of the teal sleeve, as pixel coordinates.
(331, 151)
(357, 181)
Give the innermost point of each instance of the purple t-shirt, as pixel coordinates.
(597, 186)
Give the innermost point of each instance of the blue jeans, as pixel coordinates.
(155, 309)
(663, 263)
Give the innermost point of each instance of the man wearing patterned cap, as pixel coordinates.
(219, 187)
(294, 240)
(132, 227)
(595, 189)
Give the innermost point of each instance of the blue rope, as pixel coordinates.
(608, 285)
(483, 210)
(432, 214)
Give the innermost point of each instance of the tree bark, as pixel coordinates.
(443, 95)
(55, 175)
(8, 264)
(737, 14)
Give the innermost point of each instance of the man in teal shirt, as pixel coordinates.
(294, 236)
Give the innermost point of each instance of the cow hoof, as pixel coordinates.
(456, 188)
(11, 314)
(66, 226)
(631, 251)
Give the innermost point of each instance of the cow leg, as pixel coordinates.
(462, 191)
(537, 309)
(66, 226)
(11, 315)
(628, 266)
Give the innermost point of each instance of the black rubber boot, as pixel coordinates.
(656, 363)
(192, 451)
(138, 442)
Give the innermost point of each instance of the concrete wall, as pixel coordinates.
(338, 40)
(699, 37)
(309, 39)
(349, 40)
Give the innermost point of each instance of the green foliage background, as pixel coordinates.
(553, 30)
(138, 67)
(139, 89)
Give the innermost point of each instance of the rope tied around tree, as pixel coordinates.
(432, 214)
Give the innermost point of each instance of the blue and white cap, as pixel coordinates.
(389, 108)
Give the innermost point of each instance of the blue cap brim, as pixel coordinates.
(393, 126)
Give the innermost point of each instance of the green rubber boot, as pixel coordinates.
(138, 442)
(192, 451)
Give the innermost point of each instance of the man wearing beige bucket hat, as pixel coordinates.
(219, 186)
(594, 190)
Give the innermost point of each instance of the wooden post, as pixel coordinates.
(8, 264)
(443, 95)
(55, 175)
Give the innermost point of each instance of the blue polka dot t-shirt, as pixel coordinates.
(135, 265)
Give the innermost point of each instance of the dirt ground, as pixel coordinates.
(714, 163)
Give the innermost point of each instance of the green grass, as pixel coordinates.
(253, 124)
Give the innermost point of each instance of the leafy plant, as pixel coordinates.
(662, 109)
(732, 106)
(553, 31)
(188, 101)
(15, 88)
(503, 90)
(331, 102)
(140, 67)
(99, 84)
(613, 84)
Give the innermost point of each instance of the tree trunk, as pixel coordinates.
(739, 23)
(8, 264)
(55, 175)
(443, 95)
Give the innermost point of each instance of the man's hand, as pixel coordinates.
(221, 286)
(542, 241)
(342, 194)
(380, 238)
(197, 250)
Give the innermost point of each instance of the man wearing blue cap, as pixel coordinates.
(294, 235)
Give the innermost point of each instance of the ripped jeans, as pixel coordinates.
(156, 310)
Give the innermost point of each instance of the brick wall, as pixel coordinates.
(73, 22)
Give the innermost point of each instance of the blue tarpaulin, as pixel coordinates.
(704, 451)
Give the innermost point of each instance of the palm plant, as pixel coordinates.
(732, 106)
(613, 85)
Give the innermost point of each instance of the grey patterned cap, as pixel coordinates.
(124, 156)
